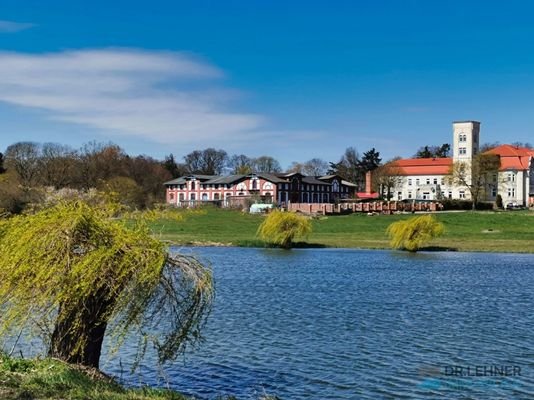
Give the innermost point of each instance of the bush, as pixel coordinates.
(413, 233)
(454, 204)
(280, 228)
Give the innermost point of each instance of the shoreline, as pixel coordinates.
(304, 246)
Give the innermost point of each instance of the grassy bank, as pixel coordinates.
(464, 231)
(47, 379)
(51, 379)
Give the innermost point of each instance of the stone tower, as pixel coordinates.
(465, 139)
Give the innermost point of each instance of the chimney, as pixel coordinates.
(368, 183)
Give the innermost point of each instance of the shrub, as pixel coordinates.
(280, 228)
(455, 204)
(498, 201)
(413, 233)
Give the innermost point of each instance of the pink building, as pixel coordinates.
(267, 188)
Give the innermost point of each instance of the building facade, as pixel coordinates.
(266, 188)
(428, 178)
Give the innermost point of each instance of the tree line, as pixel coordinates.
(138, 180)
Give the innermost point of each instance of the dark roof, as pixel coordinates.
(202, 177)
(271, 177)
(224, 180)
(178, 181)
(314, 181)
(183, 179)
(274, 178)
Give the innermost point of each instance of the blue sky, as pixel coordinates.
(294, 80)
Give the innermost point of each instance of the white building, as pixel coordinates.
(427, 178)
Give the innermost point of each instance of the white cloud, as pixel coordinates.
(166, 97)
(12, 27)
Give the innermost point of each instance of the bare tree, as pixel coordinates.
(266, 164)
(296, 167)
(208, 161)
(386, 178)
(315, 167)
(240, 164)
(475, 176)
(349, 167)
(100, 162)
(57, 165)
(23, 158)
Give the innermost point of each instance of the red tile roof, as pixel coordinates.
(424, 166)
(513, 157)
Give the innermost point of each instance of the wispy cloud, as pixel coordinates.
(11, 26)
(166, 97)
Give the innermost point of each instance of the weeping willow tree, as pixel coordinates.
(413, 233)
(280, 228)
(74, 274)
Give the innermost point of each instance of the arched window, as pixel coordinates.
(193, 185)
(216, 196)
(204, 196)
(254, 184)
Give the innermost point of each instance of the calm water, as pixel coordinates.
(349, 324)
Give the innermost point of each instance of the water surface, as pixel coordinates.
(357, 324)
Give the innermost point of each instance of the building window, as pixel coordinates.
(192, 186)
(450, 194)
(462, 150)
(409, 195)
(409, 181)
(511, 192)
(399, 195)
(254, 184)
(417, 182)
(204, 196)
(435, 181)
(426, 195)
(462, 194)
(511, 177)
(442, 181)
(193, 197)
(493, 192)
(428, 181)
(216, 196)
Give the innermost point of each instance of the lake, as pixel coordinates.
(359, 324)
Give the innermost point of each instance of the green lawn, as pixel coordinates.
(511, 231)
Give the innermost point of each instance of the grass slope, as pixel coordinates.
(52, 379)
(48, 379)
(464, 231)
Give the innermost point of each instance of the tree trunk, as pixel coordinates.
(77, 338)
